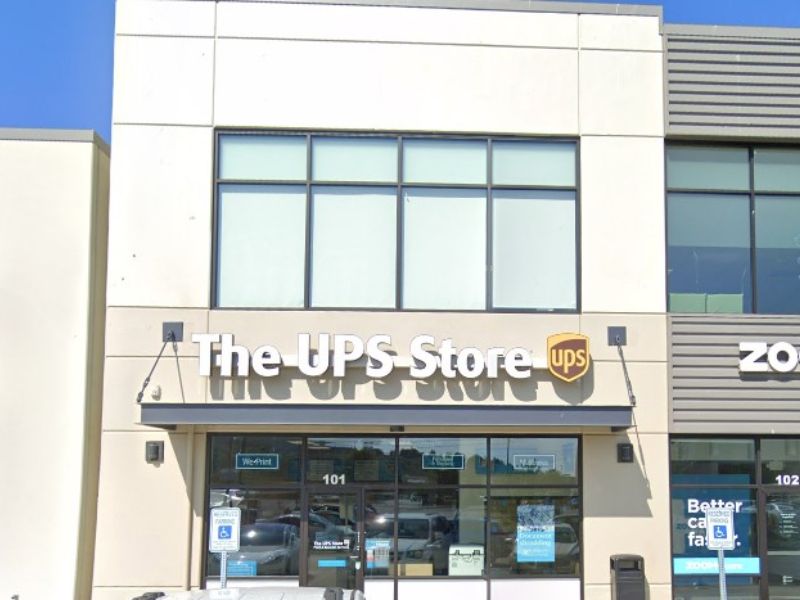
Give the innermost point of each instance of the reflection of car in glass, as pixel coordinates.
(268, 548)
(316, 523)
(421, 538)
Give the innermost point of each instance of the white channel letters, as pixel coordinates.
(337, 351)
(781, 357)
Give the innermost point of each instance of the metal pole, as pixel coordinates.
(223, 570)
(723, 584)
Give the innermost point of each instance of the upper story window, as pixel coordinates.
(733, 229)
(389, 222)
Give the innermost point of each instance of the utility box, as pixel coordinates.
(627, 577)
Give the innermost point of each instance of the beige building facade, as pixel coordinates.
(55, 199)
(491, 174)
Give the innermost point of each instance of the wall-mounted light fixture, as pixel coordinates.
(624, 453)
(154, 451)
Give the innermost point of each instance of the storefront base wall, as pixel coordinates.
(626, 510)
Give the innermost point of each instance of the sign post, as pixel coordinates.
(224, 537)
(720, 537)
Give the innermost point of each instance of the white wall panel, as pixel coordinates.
(415, 25)
(452, 589)
(160, 216)
(271, 83)
(377, 589)
(621, 93)
(618, 32)
(622, 224)
(165, 17)
(163, 80)
(563, 589)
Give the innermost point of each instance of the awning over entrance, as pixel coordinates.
(361, 414)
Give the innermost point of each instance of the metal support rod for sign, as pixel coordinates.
(723, 584)
(223, 570)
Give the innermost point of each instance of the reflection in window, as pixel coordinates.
(358, 460)
(708, 253)
(255, 460)
(440, 532)
(363, 221)
(538, 461)
(269, 536)
(719, 461)
(443, 461)
(720, 216)
(780, 461)
(778, 254)
(534, 532)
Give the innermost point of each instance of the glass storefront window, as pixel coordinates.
(269, 536)
(379, 545)
(780, 462)
(729, 461)
(329, 502)
(534, 532)
(254, 460)
(542, 461)
(443, 461)
(441, 532)
(712, 473)
(339, 461)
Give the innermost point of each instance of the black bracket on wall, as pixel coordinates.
(171, 332)
(618, 336)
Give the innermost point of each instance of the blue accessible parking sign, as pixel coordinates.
(720, 532)
(225, 532)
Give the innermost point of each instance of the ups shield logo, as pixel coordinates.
(568, 356)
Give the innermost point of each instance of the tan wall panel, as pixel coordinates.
(137, 331)
(649, 383)
(143, 512)
(124, 378)
(626, 505)
(646, 333)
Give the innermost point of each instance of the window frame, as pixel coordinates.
(751, 192)
(758, 487)
(397, 487)
(399, 185)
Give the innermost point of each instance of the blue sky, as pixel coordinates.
(56, 56)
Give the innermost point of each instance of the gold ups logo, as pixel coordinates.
(568, 356)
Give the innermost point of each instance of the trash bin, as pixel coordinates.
(627, 577)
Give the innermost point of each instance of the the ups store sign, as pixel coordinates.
(567, 357)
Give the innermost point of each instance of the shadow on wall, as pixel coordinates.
(620, 489)
(293, 385)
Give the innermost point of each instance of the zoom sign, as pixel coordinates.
(761, 357)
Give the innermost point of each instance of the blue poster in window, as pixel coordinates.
(536, 535)
(690, 556)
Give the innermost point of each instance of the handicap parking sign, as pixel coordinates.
(223, 531)
(720, 532)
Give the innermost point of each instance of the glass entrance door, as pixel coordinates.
(783, 544)
(333, 539)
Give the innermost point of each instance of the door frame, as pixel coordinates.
(763, 538)
(358, 491)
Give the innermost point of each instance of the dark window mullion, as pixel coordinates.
(753, 268)
(398, 302)
(309, 224)
(489, 229)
